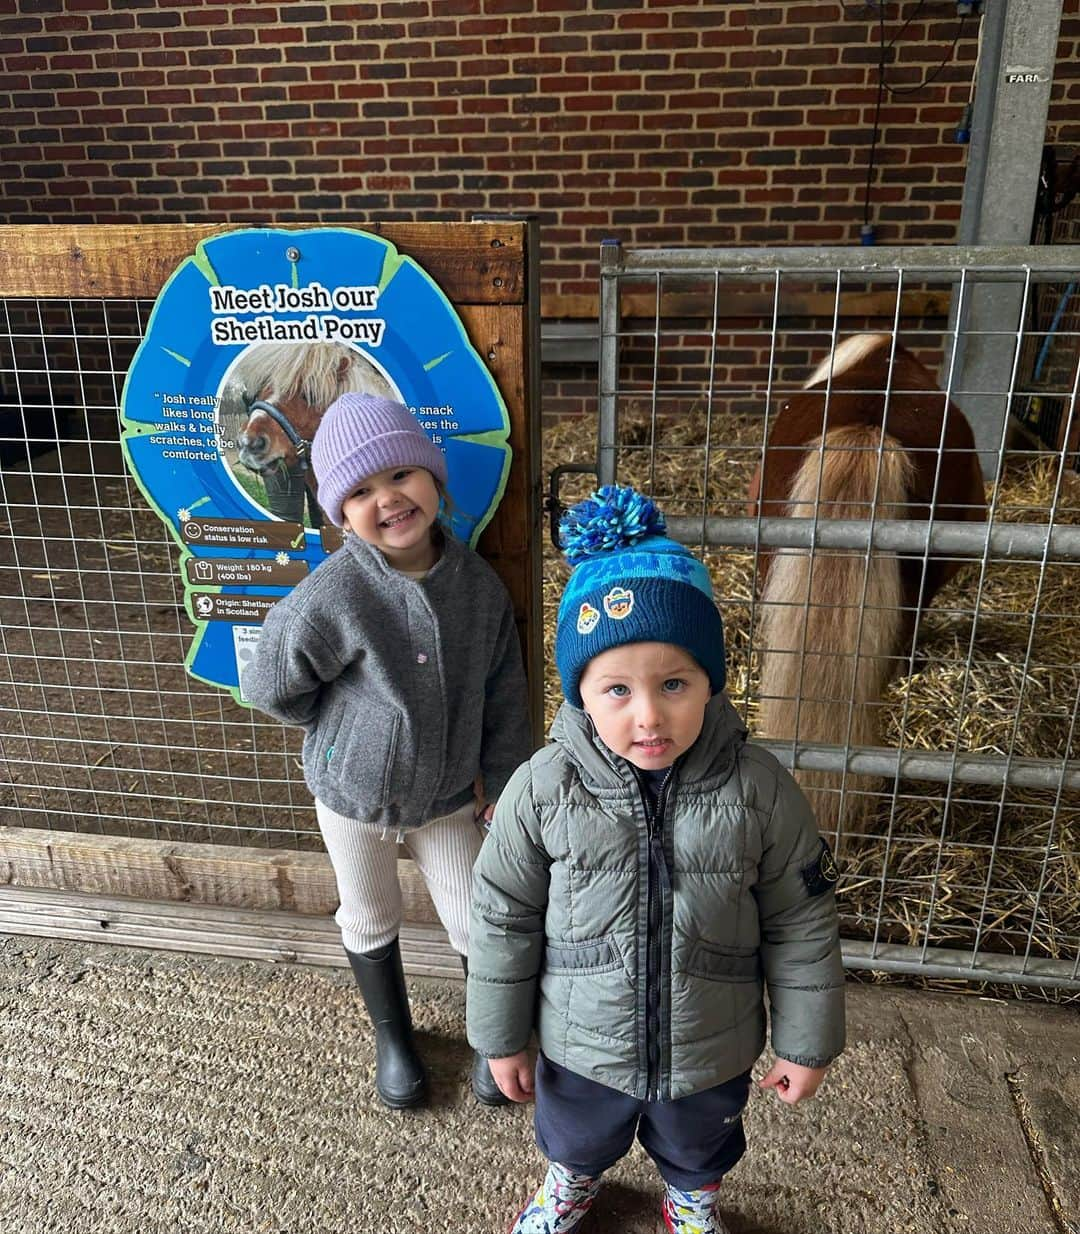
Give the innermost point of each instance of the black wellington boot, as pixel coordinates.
(485, 1090)
(400, 1079)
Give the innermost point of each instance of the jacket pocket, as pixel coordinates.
(594, 955)
(585, 984)
(715, 963)
(359, 749)
(717, 989)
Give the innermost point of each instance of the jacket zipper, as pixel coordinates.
(657, 877)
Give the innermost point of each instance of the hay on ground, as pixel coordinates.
(996, 669)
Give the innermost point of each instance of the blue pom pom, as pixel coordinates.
(615, 516)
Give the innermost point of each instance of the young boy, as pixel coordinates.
(646, 876)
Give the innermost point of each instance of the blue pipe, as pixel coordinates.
(1044, 350)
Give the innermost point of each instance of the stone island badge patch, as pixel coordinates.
(618, 603)
(821, 874)
(587, 618)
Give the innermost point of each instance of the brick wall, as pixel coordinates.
(660, 122)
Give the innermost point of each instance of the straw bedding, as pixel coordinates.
(971, 866)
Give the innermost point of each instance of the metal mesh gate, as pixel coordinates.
(121, 774)
(957, 826)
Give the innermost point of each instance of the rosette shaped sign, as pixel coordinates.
(249, 342)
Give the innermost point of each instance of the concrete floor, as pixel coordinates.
(145, 1091)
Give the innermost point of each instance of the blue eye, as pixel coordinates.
(619, 691)
(674, 684)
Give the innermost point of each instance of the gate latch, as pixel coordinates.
(552, 503)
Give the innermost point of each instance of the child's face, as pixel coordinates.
(647, 701)
(394, 510)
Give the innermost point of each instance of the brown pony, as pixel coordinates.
(286, 388)
(874, 440)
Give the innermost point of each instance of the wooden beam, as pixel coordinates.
(209, 874)
(272, 937)
(511, 542)
(474, 263)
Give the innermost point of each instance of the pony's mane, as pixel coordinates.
(316, 372)
(847, 354)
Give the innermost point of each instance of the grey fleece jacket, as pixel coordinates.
(639, 943)
(407, 688)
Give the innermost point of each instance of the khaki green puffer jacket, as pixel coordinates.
(639, 947)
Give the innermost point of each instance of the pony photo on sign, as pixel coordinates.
(870, 436)
(271, 403)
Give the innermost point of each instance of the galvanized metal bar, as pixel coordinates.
(959, 965)
(941, 767)
(608, 376)
(987, 66)
(1007, 541)
(1012, 100)
(984, 263)
(655, 383)
(1016, 71)
(994, 311)
(765, 427)
(709, 395)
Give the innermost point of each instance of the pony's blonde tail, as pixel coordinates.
(830, 625)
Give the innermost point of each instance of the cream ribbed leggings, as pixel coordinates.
(365, 866)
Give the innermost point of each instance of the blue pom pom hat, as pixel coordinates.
(631, 584)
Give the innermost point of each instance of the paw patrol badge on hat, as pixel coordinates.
(619, 603)
(587, 619)
(631, 584)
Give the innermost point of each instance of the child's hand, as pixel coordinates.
(792, 1082)
(514, 1076)
(484, 811)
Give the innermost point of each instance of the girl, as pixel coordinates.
(399, 658)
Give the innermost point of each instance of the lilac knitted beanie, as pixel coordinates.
(361, 434)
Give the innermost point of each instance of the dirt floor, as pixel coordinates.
(143, 1092)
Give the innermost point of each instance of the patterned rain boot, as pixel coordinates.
(692, 1212)
(563, 1199)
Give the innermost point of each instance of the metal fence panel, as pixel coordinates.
(102, 731)
(958, 828)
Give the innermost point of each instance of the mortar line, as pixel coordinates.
(1038, 1157)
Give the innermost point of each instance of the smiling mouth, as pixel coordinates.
(653, 744)
(397, 519)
